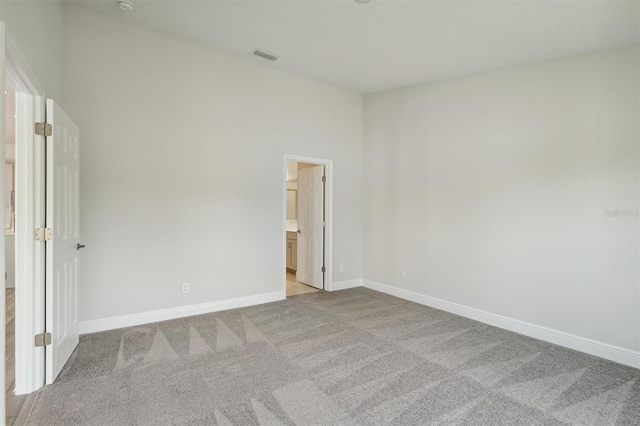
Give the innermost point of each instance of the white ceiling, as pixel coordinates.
(390, 43)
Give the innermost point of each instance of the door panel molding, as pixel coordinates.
(310, 230)
(61, 284)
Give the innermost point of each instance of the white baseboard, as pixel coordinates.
(112, 323)
(343, 285)
(592, 347)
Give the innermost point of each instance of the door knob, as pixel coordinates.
(298, 231)
(80, 246)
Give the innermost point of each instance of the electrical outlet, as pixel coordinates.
(185, 287)
(341, 268)
(403, 275)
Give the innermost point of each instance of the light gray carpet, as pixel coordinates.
(343, 358)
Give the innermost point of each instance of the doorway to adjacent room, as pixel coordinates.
(307, 225)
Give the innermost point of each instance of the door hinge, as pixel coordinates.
(324, 269)
(43, 339)
(44, 129)
(324, 178)
(324, 224)
(43, 234)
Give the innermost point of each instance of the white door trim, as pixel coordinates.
(29, 296)
(3, 355)
(328, 205)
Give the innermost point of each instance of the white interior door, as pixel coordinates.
(311, 226)
(63, 169)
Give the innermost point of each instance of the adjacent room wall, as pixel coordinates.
(491, 191)
(210, 212)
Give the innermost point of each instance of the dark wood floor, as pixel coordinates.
(18, 407)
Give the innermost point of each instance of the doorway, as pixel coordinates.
(24, 364)
(46, 172)
(307, 225)
(14, 403)
(18, 262)
(23, 255)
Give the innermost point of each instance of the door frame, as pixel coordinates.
(30, 203)
(328, 207)
(3, 322)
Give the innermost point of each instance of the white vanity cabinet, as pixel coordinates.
(292, 251)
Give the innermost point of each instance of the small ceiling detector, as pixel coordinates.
(125, 5)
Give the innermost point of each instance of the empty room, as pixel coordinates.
(320, 212)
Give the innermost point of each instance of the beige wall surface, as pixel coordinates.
(211, 212)
(492, 191)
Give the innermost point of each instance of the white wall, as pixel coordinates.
(490, 191)
(210, 214)
(36, 29)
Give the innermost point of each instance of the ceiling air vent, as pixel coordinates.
(267, 55)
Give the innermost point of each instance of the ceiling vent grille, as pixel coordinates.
(267, 55)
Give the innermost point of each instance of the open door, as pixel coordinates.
(311, 226)
(62, 244)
